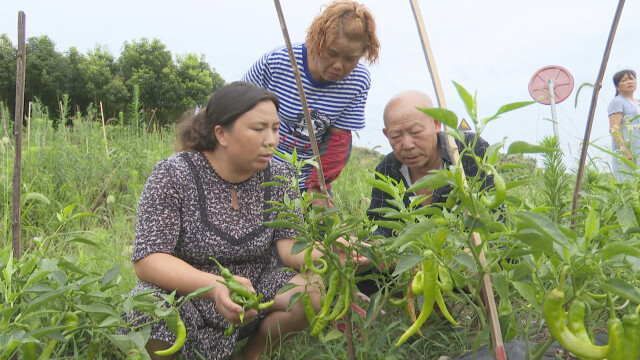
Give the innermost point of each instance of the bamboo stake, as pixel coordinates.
(303, 99)
(452, 148)
(17, 133)
(104, 131)
(594, 100)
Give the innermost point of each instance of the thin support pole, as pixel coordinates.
(17, 133)
(104, 131)
(452, 148)
(594, 100)
(303, 99)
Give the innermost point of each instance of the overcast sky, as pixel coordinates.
(490, 46)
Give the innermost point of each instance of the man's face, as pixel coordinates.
(413, 138)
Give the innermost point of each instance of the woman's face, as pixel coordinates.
(336, 60)
(247, 141)
(627, 84)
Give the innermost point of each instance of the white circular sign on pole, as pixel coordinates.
(551, 85)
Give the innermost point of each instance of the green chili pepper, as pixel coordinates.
(443, 308)
(429, 285)
(555, 317)
(446, 283)
(309, 262)
(576, 321)
(307, 306)
(229, 330)
(631, 325)
(322, 319)
(500, 191)
(181, 337)
(616, 331)
(416, 283)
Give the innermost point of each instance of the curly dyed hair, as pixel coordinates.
(344, 18)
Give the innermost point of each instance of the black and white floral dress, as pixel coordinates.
(185, 210)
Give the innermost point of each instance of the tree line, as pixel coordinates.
(145, 74)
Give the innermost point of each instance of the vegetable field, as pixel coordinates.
(556, 276)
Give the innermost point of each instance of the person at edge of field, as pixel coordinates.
(206, 201)
(624, 123)
(335, 82)
(418, 147)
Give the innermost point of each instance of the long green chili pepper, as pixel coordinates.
(631, 325)
(181, 337)
(309, 262)
(443, 308)
(556, 317)
(307, 306)
(322, 318)
(576, 321)
(500, 191)
(616, 333)
(429, 284)
(345, 297)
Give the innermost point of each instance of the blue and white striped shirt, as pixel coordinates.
(332, 104)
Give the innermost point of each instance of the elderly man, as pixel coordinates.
(418, 148)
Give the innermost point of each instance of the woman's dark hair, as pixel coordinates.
(225, 106)
(620, 74)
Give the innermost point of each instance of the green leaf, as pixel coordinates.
(97, 309)
(332, 335)
(198, 292)
(617, 286)
(527, 291)
(512, 106)
(43, 299)
(501, 285)
(521, 147)
(393, 225)
(626, 217)
(110, 275)
(447, 117)
(547, 229)
(491, 155)
(617, 248)
(82, 240)
(591, 225)
(433, 181)
(406, 262)
(469, 102)
(383, 186)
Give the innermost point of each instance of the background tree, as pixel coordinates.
(45, 72)
(8, 55)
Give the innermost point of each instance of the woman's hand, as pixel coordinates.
(229, 309)
(355, 256)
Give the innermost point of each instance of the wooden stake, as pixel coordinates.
(104, 131)
(17, 133)
(492, 313)
(303, 99)
(29, 126)
(594, 100)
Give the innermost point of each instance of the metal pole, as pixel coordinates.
(552, 99)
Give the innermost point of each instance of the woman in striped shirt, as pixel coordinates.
(335, 83)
